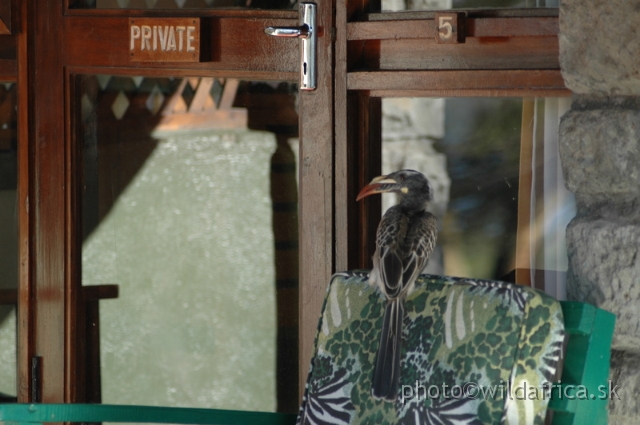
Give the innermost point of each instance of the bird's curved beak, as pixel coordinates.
(380, 184)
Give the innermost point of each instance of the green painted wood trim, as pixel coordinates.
(578, 317)
(586, 366)
(39, 413)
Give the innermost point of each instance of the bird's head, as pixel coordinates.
(411, 186)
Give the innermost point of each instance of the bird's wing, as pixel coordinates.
(421, 239)
(389, 251)
(404, 245)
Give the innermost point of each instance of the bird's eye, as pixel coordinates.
(401, 178)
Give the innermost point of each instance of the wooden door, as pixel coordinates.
(62, 48)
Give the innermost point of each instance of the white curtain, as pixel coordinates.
(552, 205)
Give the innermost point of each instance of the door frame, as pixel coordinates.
(54, 43)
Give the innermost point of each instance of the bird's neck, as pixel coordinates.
(412, 211)
(412, 206)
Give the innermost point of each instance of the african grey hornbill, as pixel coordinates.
(406, 237)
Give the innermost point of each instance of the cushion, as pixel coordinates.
(473, 352)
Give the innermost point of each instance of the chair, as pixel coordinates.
(474, 352)
(498, 342)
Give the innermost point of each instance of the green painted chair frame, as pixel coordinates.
(95, 413)
(586, 366)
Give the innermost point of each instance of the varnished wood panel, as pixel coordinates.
(475, 53)
(177, 71)
(513, 27)
(456, 80)
(471, 13)
(316, 191)
(75, 314)
(185, 12)
(475, 27)
(235, 44)
(47, 204)
(90, 293)
(342, 166)
(25, 321)
(358, 138)
(503, 92)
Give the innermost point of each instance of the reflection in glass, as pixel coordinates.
(549, 207)
(8, 240)
(496, 180)
(190, 207)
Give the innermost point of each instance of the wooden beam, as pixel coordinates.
(457, 80)
(316, 190)
(342, 166)
(472, 93)
(471, 13)
(475, 53)
(44, 80)
(475, 27)
(25, 316)
(241, 13)
(89, 293)
(229, 52)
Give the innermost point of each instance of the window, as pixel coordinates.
(190, 207)
(495, 174)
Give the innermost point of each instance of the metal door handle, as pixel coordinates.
(308, 34)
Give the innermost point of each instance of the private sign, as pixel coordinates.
(164, 40)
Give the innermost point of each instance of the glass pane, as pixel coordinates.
(481, 157)
(190, 207)
(8, 240)
(398, 5)
(182, 4)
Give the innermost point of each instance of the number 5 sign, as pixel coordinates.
(449, 27)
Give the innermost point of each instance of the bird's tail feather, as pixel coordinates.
(386, 375)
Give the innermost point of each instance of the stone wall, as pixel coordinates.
(600, 153)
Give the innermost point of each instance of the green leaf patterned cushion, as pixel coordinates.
(474, 352)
